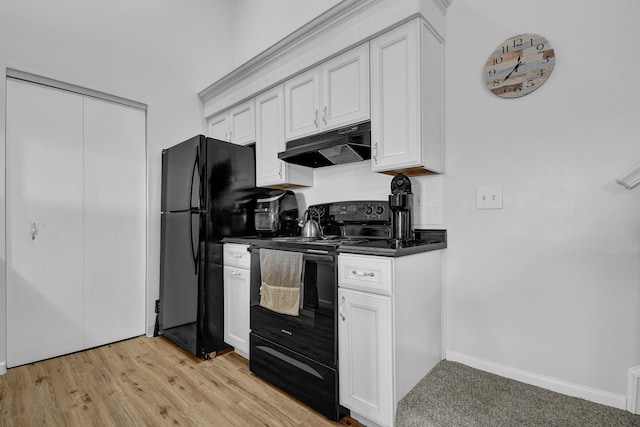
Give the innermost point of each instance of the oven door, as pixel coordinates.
(313, 333)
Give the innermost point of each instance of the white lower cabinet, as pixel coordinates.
(389, 330)
(365, 353)
(236, 297)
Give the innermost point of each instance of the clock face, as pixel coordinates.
(519, 65)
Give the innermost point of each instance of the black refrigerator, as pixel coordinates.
(208, 189)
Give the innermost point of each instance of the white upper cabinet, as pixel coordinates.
(331, 95)
(236, 125)
(219, 126)
(270, 170)
(407, 100)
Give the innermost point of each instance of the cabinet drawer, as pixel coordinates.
(366, 273)
(237, 255)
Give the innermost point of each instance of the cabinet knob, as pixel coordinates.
(375, 152)
(324, 115)
(315, 118)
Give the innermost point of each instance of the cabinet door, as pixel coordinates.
(395, 99)
(302, 104)
(365, 355)
(345, 88)
(242, 123)
(44, 222)
(219, 127)
(270, 137)
(236, 309)
(114, 222)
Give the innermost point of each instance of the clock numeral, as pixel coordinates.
(517, 42)
(492, 72)
(505, 49)
(517, 89)
(530, 83)
(540, 46)
(546, 59)
(542, 72)
(497, 60)
(496, 83)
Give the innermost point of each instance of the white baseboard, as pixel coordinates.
(560, 386)
(633, 393)
(3, 368)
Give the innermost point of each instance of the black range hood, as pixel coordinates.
(344, 145)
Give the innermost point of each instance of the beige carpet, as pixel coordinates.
(453, 394)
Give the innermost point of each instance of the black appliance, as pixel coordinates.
(276, 213)
(299, 354)
(401, 204)
(207, 194)
(344, 145)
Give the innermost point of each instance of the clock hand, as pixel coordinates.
(514, 69)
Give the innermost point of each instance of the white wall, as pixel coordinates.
(551, 283)
(159, 52)
(259, 24)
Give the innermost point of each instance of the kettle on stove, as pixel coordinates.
(310, 227)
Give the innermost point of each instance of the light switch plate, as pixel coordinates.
(489, 197)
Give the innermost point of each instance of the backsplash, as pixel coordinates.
(355, 181)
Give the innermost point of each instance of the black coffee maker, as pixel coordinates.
(401, 204)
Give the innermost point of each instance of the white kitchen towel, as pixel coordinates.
(281, 273)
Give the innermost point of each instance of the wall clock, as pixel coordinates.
(519, 65)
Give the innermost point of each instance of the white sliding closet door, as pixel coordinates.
(114, 222)
(76, 222)
(44, 223)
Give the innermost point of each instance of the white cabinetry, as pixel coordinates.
(237, 277)
(331, 95)
(236, 125)
(75, 222)
(407, 100)
(389, 330)
(270, 170)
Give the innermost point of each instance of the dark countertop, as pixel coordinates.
(391, 248)
(241, 240)
(426, 240)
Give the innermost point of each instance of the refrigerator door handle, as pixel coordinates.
(195, 172)
(195, 254)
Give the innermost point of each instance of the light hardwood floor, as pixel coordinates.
(146, 382)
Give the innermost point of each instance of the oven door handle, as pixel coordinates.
(318, 258)
(306, 256)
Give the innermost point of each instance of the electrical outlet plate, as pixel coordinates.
(489, 197)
